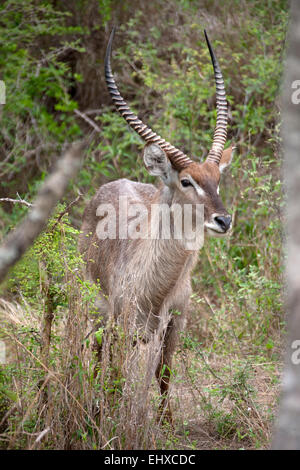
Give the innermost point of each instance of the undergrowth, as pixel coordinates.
(53, 394)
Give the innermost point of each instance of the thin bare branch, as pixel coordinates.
(14, 201)
(88, 120)
(18, 241)
(66, 210)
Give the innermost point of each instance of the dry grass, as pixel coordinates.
(218, 401)
(233, 420)
(225, 380)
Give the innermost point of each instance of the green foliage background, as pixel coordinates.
(51, 59)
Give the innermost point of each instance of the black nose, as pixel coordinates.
(224, 221)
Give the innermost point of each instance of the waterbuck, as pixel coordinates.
(152, 271)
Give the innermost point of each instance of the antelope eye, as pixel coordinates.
(186, 183)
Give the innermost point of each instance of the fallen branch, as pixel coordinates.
(18, 241)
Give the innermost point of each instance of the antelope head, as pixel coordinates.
(191, 181)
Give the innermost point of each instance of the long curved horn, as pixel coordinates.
(178, 159)
(220, 133)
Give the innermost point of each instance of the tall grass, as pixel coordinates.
(54, 394)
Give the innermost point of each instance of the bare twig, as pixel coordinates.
(88, 120)
(209, 304)
(53, 54)
(42, 434)
(20, 201)
(27, 155)
(17, 242)
(66, 210)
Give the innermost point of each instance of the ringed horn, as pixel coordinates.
(178, 159)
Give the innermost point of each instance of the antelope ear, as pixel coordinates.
(226, 158)
(157, 162)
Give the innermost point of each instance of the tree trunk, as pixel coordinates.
(287, 429)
